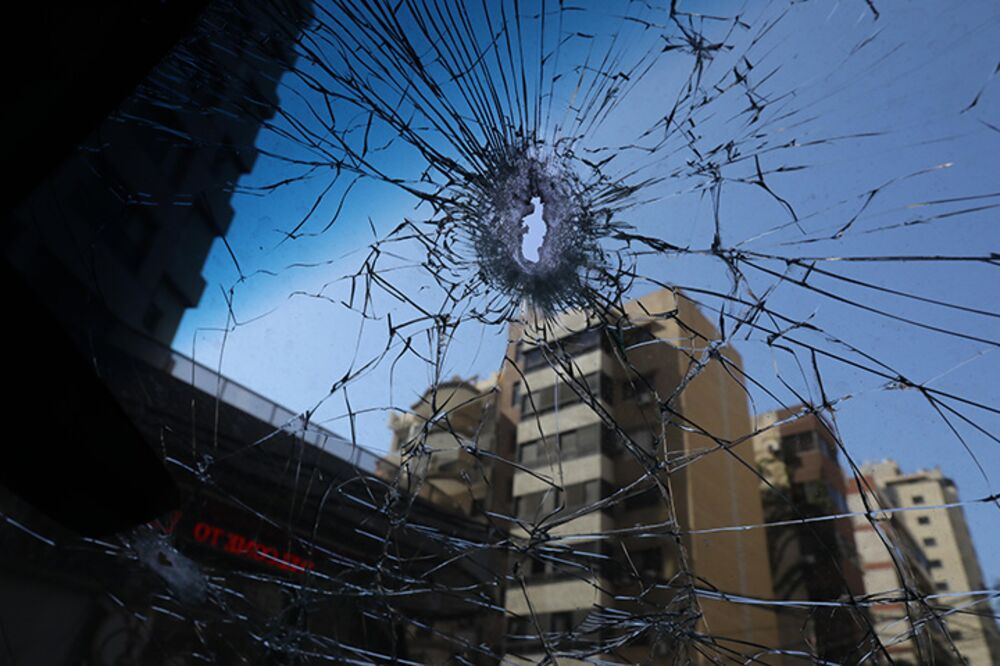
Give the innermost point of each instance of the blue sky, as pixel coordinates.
(905, 89)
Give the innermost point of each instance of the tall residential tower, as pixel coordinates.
(631, 437)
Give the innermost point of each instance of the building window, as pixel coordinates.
(930, 541)
(577, 496)
(637, 336)
(562, 623)
(569, 445)
(643, 499)
(923, 520)
(533, 358)
(645, 439)
(918, 499)
(563, 393)
(607, 389)
(583, 494)
(798, 443)
(575, 345)
(826, 448)
(839, 503)
(933, 564)
(521, 626)
(815, 493)
(582, 342)
(649, 563)
(538, 401)
(535, 505)
(609, 442)
(941, 586)
(529, 453)
(515, 394)
(588, 440)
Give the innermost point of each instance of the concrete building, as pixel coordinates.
(280, 524)
(451, 449)
(113, 239)
(118, 233)
(797, 454)
(452, 439)
(897, 582)
(627, 427)
(943, 539)
(276, 524)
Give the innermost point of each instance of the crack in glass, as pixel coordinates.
(760, 248)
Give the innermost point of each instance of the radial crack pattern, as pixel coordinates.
(762, 258)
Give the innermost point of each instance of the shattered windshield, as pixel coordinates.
(509, 332)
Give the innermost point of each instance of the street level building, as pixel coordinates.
(452, 449)
(280, 524)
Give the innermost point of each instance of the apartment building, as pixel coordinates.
(631, 436)
(449, 442)
(112, 219)
(945, 543)
(118, 233)
(814, 560)
(897, 582)
(451, 448)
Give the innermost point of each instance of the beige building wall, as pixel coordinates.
(446, 449)
(944, 539)
(732, 561)
(885, 576)
(429, 449)
(713, 485)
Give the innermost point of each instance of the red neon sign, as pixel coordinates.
(239, 545)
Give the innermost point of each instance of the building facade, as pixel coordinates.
(897, 582)
(945, 543)
(450, 441)
(282, 530)
(112, 241)
(450, 448)
(813, 560)
(118, 233)
(626, 427)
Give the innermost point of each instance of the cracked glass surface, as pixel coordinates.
(766, 265)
